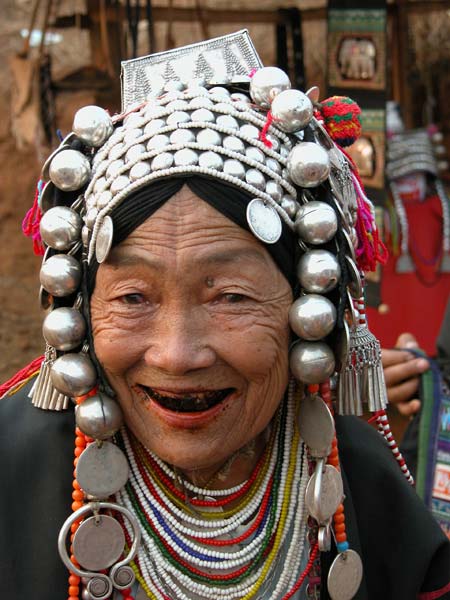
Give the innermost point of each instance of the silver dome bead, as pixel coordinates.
(158, 142)
(203, 114)
(164, 160)
(256, 179)
(60, 227)
(154, 126)
(234, 168)
(316, 222)
(250, 131)
(69, 170)
(227, 121)
(274, 165)
(139, 170)
(231, 142)
(274, 190)
(85, 235)
(91, 216)
(318, 271)
(311, 362)
(185, 157)
(211, 160)
(219, 93)
(178, 104)
(209, 137)
(134, 121)
(266, 83)
(116, 151)
(182, 136)
(73, 374)
(290, 205)
(308, 164)
(292, 110)
(119, 184)
(92, 125)
(114, 168)
(132, 134)
(64, 328)
(239, 96)
(179, 116)
(104, 199)
(99, 416)
(134, 152)
(99, 185)
(201, 102)
(312, 317)
(60, 275)
(255, 154)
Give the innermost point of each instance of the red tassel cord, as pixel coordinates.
(32, 220)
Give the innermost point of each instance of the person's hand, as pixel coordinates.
(401, 372)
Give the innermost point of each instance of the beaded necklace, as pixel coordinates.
(202, 547)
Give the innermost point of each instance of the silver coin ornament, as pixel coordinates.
(311, 362)
(312, 317)
(264, 221)
(318, 271)
(93, 125)
(69, 170)
(345, 575)
(292, 110)
(60, 227)
(316, 222)
(73, 374)
(266, 83)
(98, 542)
(308, 164)
(323, 498)
(64, 328)
(60, 275)
(99, 416)
(104, 239)
(102, 470)
(316, 425)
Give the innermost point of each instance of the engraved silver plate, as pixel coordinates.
(345, 575)
(316, 425)
(102, 470)
(104, 239)
(218, 60)
(98, 543)
(264, 221)
(324, 505)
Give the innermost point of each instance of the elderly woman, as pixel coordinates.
(197, 325)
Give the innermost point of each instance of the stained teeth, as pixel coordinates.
(189, 403)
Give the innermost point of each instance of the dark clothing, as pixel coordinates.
(403, 550)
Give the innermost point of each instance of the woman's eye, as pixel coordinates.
(233, 298)
(132, 299)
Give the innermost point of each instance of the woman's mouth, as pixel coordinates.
(187, 402)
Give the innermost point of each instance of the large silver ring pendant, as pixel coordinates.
(120, 576)
(264, 221)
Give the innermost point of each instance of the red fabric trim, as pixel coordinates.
(23, 374)
(436, 594)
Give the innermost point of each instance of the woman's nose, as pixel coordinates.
(180, 344)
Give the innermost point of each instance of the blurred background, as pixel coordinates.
(391, 57)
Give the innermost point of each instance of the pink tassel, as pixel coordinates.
(31, 222)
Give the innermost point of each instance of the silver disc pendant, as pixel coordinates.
(102, 470)
(104, 239)
(316, 425)
(264, 221)
(355, 284)
(345, 575)
(98, 543)
(322, 500)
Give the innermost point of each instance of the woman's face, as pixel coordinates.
(190, 323)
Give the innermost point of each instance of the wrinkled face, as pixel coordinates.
(190, 323)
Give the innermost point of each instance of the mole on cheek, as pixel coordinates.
(209, 281)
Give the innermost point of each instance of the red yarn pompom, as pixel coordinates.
(341, 119)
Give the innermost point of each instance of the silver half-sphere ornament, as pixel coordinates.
(312, 317)
(311, 362)
(73, 374)
(318, 271)
(64, 328)
(93, 125)
(60, 275)
(266, 83)
(292, 110)
(69, 170)
(99, 416)
(308, 164)
(316, 222)
(60, 227)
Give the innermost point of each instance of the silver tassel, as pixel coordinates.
(43, 395)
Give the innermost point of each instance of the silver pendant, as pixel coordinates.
(45, 299)
(104, 239)
(324, 492)
(264, 221)
(98, 542)
(102, 470)
(345, 575)
(404, 264)
(316, 425)
(43, 393)
(324, 538)
(355, 284)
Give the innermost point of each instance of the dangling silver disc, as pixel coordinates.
(102, 470)
(345, 575)
(316, 425)
(264, 221)
(104, 239)
(355, 285)
(45, 299)
(331, 495)
(98, 545)
(46, 199)
(350, 250)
